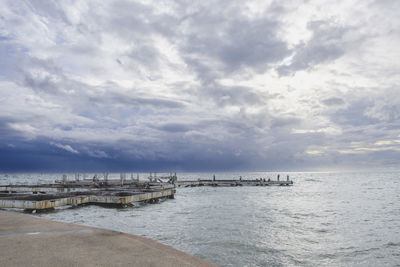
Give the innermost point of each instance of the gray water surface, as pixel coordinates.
(330, 219)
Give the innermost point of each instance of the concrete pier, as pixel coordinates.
(26, 240)
(50, 196)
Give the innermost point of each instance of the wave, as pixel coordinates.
(392, 244)
(312, 180)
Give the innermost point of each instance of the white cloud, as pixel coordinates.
(66, 147)
(23, 127)
(98, 154)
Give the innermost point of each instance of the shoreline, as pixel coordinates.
(29, 240)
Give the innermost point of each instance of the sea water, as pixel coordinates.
(324, 219)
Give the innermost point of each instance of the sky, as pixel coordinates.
(199, 85)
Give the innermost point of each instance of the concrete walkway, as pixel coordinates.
(26, 240)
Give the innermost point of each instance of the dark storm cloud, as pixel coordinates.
(355, 114)
(38, 155)
(54, 82)
(328, 43)
(43, 76)
(130, 99)
(232, 95)
(175, 127)
(242, 43)
(136, 21)
(6, 134)
(231, 41)
(285, 121)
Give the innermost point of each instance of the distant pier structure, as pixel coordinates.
(235, 182)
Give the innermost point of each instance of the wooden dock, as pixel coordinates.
(211, 182)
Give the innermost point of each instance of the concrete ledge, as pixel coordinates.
(26, 240)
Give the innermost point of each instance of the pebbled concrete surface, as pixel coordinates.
(26, 240)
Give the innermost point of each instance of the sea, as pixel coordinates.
(324, 219)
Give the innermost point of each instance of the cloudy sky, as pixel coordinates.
(199, 86)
